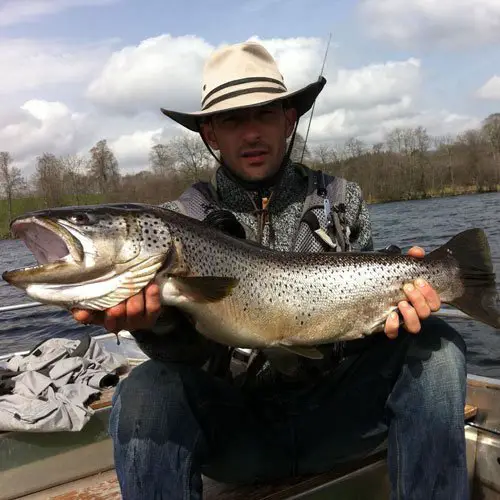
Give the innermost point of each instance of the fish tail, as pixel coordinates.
(480, 299)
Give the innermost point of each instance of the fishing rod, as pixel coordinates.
(314, 103)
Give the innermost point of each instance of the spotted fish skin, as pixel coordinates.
(287, 298)
(240, 293)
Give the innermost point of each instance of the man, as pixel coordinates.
(180, 414)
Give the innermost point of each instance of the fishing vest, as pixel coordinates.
(322, 225)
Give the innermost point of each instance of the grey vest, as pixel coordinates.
(322, 226)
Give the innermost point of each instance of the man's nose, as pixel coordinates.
(251, 130)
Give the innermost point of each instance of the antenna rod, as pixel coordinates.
(314, 103)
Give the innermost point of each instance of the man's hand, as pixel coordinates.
(138, 312)
(422, 300)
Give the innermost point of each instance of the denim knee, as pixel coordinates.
(442, 350)
(434, 376)
(151, 403)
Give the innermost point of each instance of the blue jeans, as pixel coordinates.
(171, 422)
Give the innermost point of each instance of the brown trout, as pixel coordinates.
(237, 292)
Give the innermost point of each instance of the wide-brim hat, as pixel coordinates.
(241, 76)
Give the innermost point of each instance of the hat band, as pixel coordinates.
(241, 81)
(236, 93)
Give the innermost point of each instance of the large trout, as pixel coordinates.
(236, 292)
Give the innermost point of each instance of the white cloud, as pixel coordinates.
(18, 11)
(132, 150)
(43, 126)
(125, 90)
(159, 71)
(344, 122)
(299, 59)
(451, 23)
(491, 89)
(167, 71)
(31, 64)
(371, 85)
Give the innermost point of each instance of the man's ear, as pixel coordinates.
(207, 132)
(291, 119)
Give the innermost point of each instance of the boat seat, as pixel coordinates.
(104, 486)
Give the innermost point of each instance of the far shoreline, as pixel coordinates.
(463, 191)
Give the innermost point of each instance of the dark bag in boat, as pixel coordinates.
(6, 382)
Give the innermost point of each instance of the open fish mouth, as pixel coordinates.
(51, 244)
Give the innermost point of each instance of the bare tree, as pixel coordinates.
(190, 156)
(445, 145)
(395, 140)
(75, 181)
(11, 179)
(161, 160)
(325, 154)
(491, 129)
(422, 143)
(49, 180)
(354, 147)
(103, 167)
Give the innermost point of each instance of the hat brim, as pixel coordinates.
(302, 100)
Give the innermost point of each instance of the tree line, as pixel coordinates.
(408, 164)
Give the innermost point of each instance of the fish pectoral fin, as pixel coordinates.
(306, 352)
(205, 288)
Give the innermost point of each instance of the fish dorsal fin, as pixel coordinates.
(204, 288)
(125, 285)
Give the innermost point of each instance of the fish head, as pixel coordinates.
(90, 256)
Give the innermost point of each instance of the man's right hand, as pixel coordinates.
(139, 312)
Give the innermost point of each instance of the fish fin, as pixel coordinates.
(378, 324)
(205, 288)
(175, 263)
(306, 352)
(126, 284)
(480, 298)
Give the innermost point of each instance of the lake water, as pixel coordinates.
(428, 223)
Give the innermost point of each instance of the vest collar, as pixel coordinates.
(290, 186)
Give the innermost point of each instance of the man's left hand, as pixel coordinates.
(422, 300)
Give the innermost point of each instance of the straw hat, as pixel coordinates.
(240, 76)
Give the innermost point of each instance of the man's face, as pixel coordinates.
(252, 141)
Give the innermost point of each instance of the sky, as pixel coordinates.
(77, 71)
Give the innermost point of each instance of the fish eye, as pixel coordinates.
(81, 219)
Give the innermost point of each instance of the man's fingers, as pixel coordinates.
(410, 317)
(82, 315)
(137, 312)
(117, 311)
(88, 317)
(431, 296)
(153, 304)
(114, 316)
(418, 252)
(417, 300)
(391, 328)
(135, 306)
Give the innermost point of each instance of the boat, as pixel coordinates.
(79, 465)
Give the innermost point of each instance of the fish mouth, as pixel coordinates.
(53, 246)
